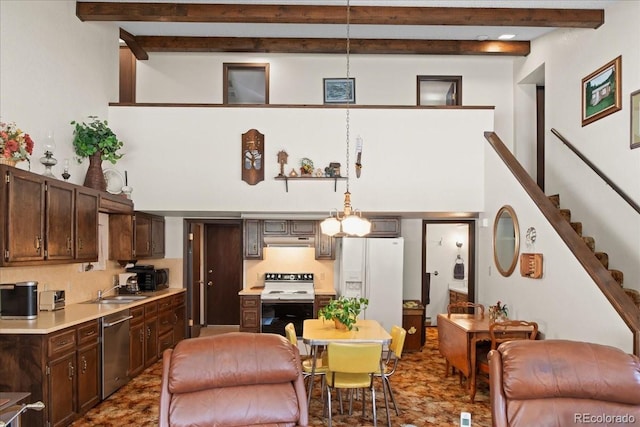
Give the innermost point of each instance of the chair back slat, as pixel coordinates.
(354, 358)
(510, 330)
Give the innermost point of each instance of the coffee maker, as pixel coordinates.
(128, 283)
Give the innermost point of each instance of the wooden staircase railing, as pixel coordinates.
(600, 275)
(597, 171)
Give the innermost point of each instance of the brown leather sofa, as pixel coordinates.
(563, 383)
(234, 379)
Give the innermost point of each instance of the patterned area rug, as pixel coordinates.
(425, 397)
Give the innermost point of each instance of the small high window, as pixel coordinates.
(439, 90)
(246, 83)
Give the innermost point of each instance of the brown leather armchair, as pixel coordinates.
(233, 379)
(562, 383)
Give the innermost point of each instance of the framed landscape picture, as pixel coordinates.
(339, 91)
(601, 92)
(635, 119)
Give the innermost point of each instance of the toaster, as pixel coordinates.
(51, 300)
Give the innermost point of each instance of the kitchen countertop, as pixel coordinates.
(74, 314)
(460, 289)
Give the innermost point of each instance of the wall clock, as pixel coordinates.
(252, 157)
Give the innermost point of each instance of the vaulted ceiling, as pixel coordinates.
(376, 27)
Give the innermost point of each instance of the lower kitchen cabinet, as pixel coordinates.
(137, 332)
(61, 369)
(250, 313)
(155, 326)
(320, 301)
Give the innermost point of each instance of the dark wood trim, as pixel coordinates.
(231, 66)
(623, 305)
(351, 106)
(471, 239)
(598, 172)
(455, 80)
(127, 75)
(332, 46)
(133, 44)
(313, 14)
(540, 149)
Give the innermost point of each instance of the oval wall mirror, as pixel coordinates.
(506, 240)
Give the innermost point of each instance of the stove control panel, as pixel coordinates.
(288, 277)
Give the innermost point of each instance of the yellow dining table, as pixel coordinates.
(319, 332)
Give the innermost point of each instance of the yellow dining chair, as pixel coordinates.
(390, 362)
(353, 366)
(307, 362)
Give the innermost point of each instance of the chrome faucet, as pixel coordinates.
(102, 292)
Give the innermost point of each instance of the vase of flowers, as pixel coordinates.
(498, 312)
(15, 145)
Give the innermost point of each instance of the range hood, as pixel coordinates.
(289, 241)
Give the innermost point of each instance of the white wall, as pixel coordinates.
(567, 57)
(297, 79)
(414, 160)
(54, 69)
(566, 303)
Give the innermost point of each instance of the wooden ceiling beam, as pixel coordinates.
(370, 15)
(134, 46)
(335, 46)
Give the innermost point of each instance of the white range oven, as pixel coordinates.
(286, 298)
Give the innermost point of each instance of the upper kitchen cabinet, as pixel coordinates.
(384, 227)
(325, 246)
(46, 220)
(252, 238)
(136, 236)
(272, 227)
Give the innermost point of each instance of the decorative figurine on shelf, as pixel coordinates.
(282, 160)
(306, 167)
(252, 155)
(293, 173)
(319, 173)
(336, 168)
(328, 172)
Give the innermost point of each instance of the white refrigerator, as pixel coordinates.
(373, 268)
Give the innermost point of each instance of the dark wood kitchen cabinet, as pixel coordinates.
(384, 227)
(137, 331)
(284, 227)
(252, 238)
(62, 369)
(320, 301)
(150, 333)
(325, 246)
(46, 221)
(136, 236)
(250, 313)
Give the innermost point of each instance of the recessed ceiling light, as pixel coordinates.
(506, 36)
(482, 38)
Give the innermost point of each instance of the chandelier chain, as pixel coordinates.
(348, 100)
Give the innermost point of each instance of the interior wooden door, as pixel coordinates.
(223, 272)
(196, 279)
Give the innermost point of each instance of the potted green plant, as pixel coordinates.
(96, 141)
(344, 310)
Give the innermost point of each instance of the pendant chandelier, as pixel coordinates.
(350, 221)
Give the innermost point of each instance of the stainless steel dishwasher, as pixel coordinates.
(115, 351)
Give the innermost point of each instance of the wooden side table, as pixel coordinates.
(413, 322)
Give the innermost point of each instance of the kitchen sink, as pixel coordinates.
(117, 299)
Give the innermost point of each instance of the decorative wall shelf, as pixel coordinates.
(335, 179)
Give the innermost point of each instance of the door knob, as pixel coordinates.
(209, 283)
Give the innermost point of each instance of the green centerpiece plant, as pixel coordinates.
(98, 142)
(344, 310)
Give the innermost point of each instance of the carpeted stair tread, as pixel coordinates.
(603, 257)
(566, 214)
(634, 295)
(555, 200)
(578, 227)
(618, 276)
(590, 242)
